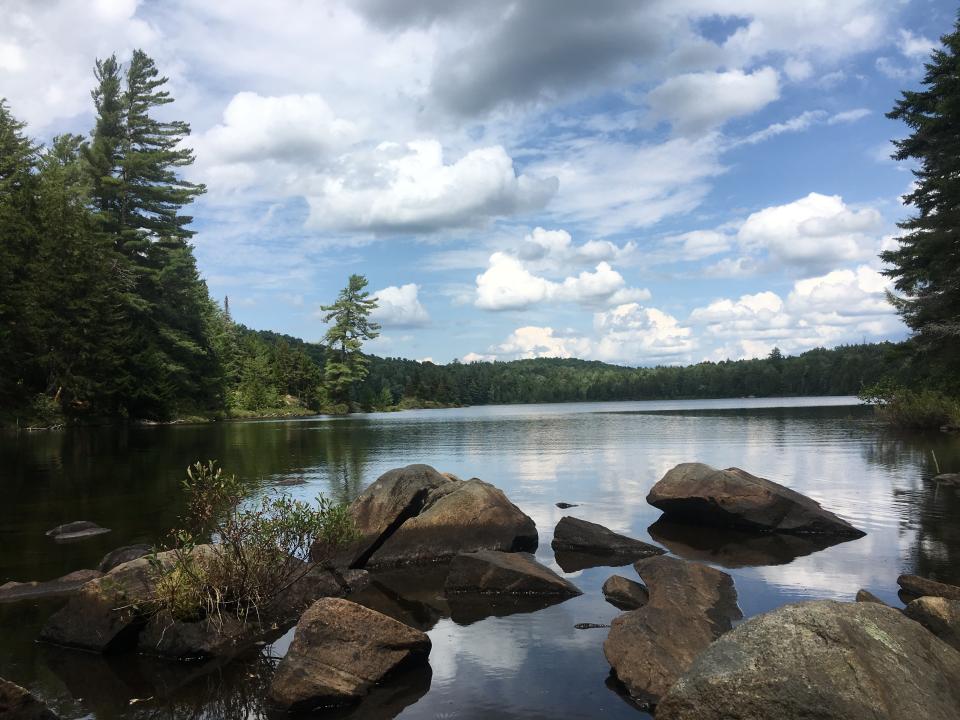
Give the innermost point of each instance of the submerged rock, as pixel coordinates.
(690, 606)
(735, 548)
(920, 587)
(948, 479)
(66, 585)
(938, 615)
(698, 493)
(17, 703)
(581, 536)
(822, 659)
(77, 530)
(122, 555)
(624, 593)
(500, 573)
(340, 650)
(460, 516)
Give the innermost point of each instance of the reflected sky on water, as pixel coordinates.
(603, 456)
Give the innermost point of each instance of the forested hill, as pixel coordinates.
(400, 382)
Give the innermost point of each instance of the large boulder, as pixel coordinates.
(624, 593)
(77, 530)
(823, 659)
(938, 615)
(107, 614)
(340, 650)
(500, 573)
(222, 636)
(581, 536)
(17, 703)
(698, 493)
(66, 585)
(460, 516)
(920, 587)
(690, 606)
(393, 498)
(122, 555)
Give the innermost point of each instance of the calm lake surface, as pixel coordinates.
(604, 456)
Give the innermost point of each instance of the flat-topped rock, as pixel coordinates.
(77, 530)
(66, 585)
(624, 593)
(341, 650)
(581, 536)
(17, 703)
(690, 606)
(823, 659)
(458, 517)
(938, 615)
(698, 493)
(501, 573)
(920, 586)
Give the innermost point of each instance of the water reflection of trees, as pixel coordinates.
(928, 510)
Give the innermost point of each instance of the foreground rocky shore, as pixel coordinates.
(429, 545)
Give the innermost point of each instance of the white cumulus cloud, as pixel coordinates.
(400, 307)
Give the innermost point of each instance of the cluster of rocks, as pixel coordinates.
(430, 545)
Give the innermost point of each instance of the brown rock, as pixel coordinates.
(457, 517)
(16, 703)
(122, 555)
(918, 586)
(938, 615)
(690, 606)
(698, 493)
(580, 536)
(340, 650)
(66, 585)
(500, 573)
(825, 660)
(867, 596)
(221, 637)
(625, 594)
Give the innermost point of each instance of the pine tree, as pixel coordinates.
(346, 365)
(926, 265)
(18, 240)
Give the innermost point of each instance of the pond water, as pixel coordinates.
(602, 456)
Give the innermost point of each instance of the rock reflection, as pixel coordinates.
(570, 561)
(731, 548)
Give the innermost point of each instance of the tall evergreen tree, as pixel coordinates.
(926, 264)
(346, 365)
(18, 240)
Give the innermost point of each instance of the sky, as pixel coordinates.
(635, 181)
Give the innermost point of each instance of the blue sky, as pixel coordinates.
(636, 182)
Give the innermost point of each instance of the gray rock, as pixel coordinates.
(580, 536)
(566, 505)
(938, 615)
(223, 636)
(341, 650)
(867, 596)
(948, 479)
(698, 493)
(500, 573)
(825, 660)
(690, 606)
(460, 516)
(624, 593)
(16, 703)
(78, 530)
(122, 555)
(919, 586)
(66, 585)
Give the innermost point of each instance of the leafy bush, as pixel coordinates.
(260, 550)
(911, 409)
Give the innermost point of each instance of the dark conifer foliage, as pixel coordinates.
(926, 265)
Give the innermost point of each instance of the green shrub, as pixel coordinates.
(261, 549)
(912, 409)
